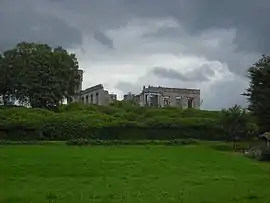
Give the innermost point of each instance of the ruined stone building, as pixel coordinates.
(96, 95)
(93, 95)
(150, 96)
(129, 97)
(165, 96)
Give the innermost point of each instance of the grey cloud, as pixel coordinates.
(92, 14)
(224, 94)
(20, 21)
(248, 17)
(168, 73)
(126, 87)
(168, 32)
(200, 74)
(103, 39)
(225, 51)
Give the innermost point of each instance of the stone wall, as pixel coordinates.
(176, 97)
(112, 98)
(95, 95)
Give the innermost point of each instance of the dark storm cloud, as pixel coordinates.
(20, 21)
(199, 75)
(249, 17)
(93, 14)
(103, 39)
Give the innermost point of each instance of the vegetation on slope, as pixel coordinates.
(119, 122)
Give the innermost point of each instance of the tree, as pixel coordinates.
(6, 80)
(67, 65)
(40, 75)
(2, 73)
(235, 123)
(258, 92)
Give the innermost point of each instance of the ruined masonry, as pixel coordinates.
(164, 96)
(150, 96)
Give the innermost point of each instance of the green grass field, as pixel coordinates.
(195, 174)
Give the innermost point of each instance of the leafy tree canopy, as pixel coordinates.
(258, 92)
(38, 74)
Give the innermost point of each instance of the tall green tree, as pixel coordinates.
(258, 92)
(6, 80)
(2, 72)
(1, 77)
(41, 76)
(235, 121)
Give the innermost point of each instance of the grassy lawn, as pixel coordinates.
(195, 174)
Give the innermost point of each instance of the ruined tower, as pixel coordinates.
(80, 73)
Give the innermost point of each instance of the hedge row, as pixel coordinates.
(63, 131)
(109, 123)
(81, 142)
(27, 142)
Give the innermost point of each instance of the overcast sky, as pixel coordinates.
(125, 44)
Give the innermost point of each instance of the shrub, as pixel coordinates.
(23, 142)
(253, 153)
(77, 107)
(265, 154)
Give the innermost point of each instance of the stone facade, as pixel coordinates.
(164, 96)
(96, 95)
(129, 97)
(112, 98)
(93, 95)
(150, 96)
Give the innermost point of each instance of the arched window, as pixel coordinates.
(87, 99)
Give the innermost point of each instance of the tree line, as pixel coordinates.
(37, 75)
